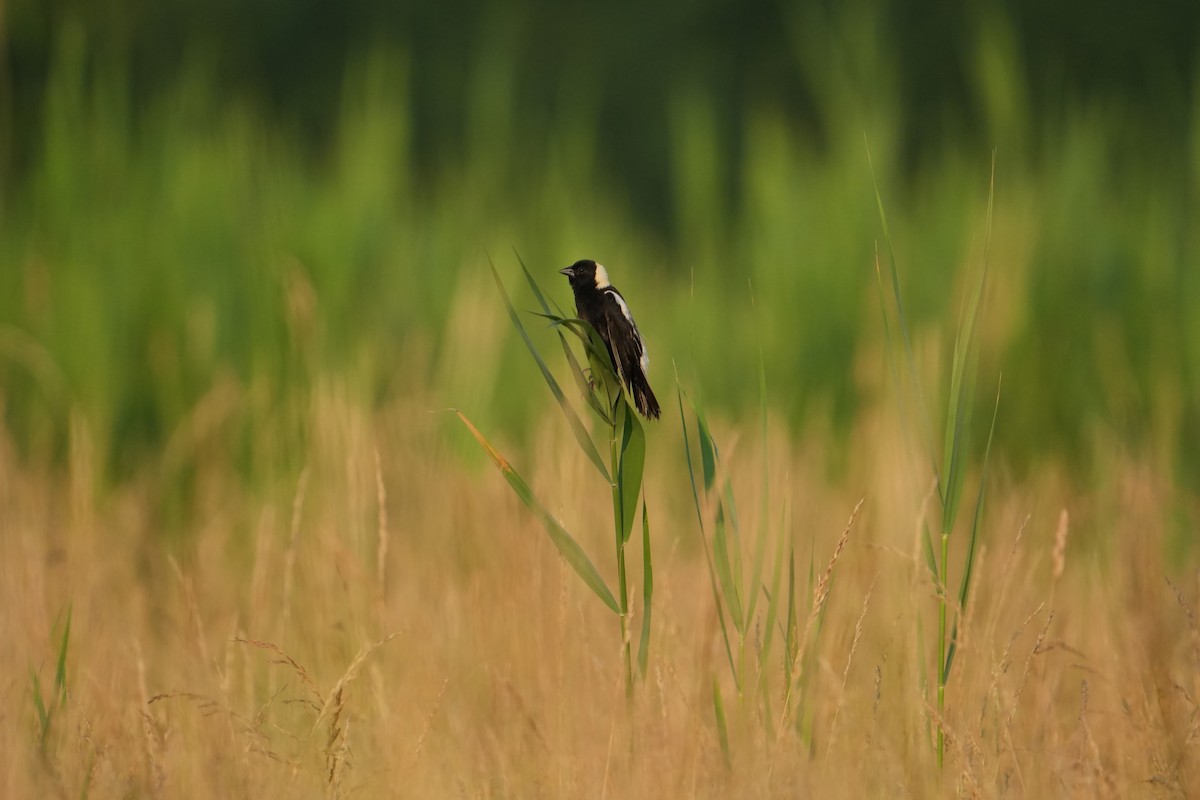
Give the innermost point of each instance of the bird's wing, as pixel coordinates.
(628, 348)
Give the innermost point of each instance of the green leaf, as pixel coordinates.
(567, 546)
(724, 574)
(708, 450)
(586, 389)
(577, 428)
(533, 285)
(647, 593)
(630, 468)
(722, 728)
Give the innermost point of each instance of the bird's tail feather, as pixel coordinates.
(643, 396)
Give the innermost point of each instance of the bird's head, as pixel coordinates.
(586, 273)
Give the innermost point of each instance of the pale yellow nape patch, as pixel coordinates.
(602, 277)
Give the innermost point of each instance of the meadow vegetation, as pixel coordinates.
(390, 623)
(247, 549)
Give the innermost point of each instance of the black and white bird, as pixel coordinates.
(599, 304)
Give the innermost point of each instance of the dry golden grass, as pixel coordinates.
(392, 623)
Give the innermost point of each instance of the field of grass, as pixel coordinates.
(247, 549)
(388, 622)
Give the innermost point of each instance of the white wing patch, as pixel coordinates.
(621, 302)
(645, 359)
(602, 281)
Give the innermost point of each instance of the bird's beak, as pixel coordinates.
(565, 271)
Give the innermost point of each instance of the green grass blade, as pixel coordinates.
(735, 547)
(720, 545)
(533, 284)
(647, 593)
(930, 555)
(567, 546)
(60, 670)
(722, 727)
(962, 382)
(687, 453)
(577, 427)
(724, 573)
(968, 569)
(39, 704)
(586, 390)
(772, 616)
(958, 427)
(790, 631)
(630, 469)
(592, 343)
(708, 450)
(708, 560)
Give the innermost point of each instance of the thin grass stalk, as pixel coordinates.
(622, 586)
(647, 594)
(941, 689)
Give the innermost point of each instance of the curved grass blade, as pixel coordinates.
(585, 387)
(578, 327)
(537, 290)
(577, 428)
(603, 372)
(567, 546)
(647, 593)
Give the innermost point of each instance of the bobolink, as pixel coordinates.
(599, 304)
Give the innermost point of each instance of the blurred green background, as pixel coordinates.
(232, 199)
